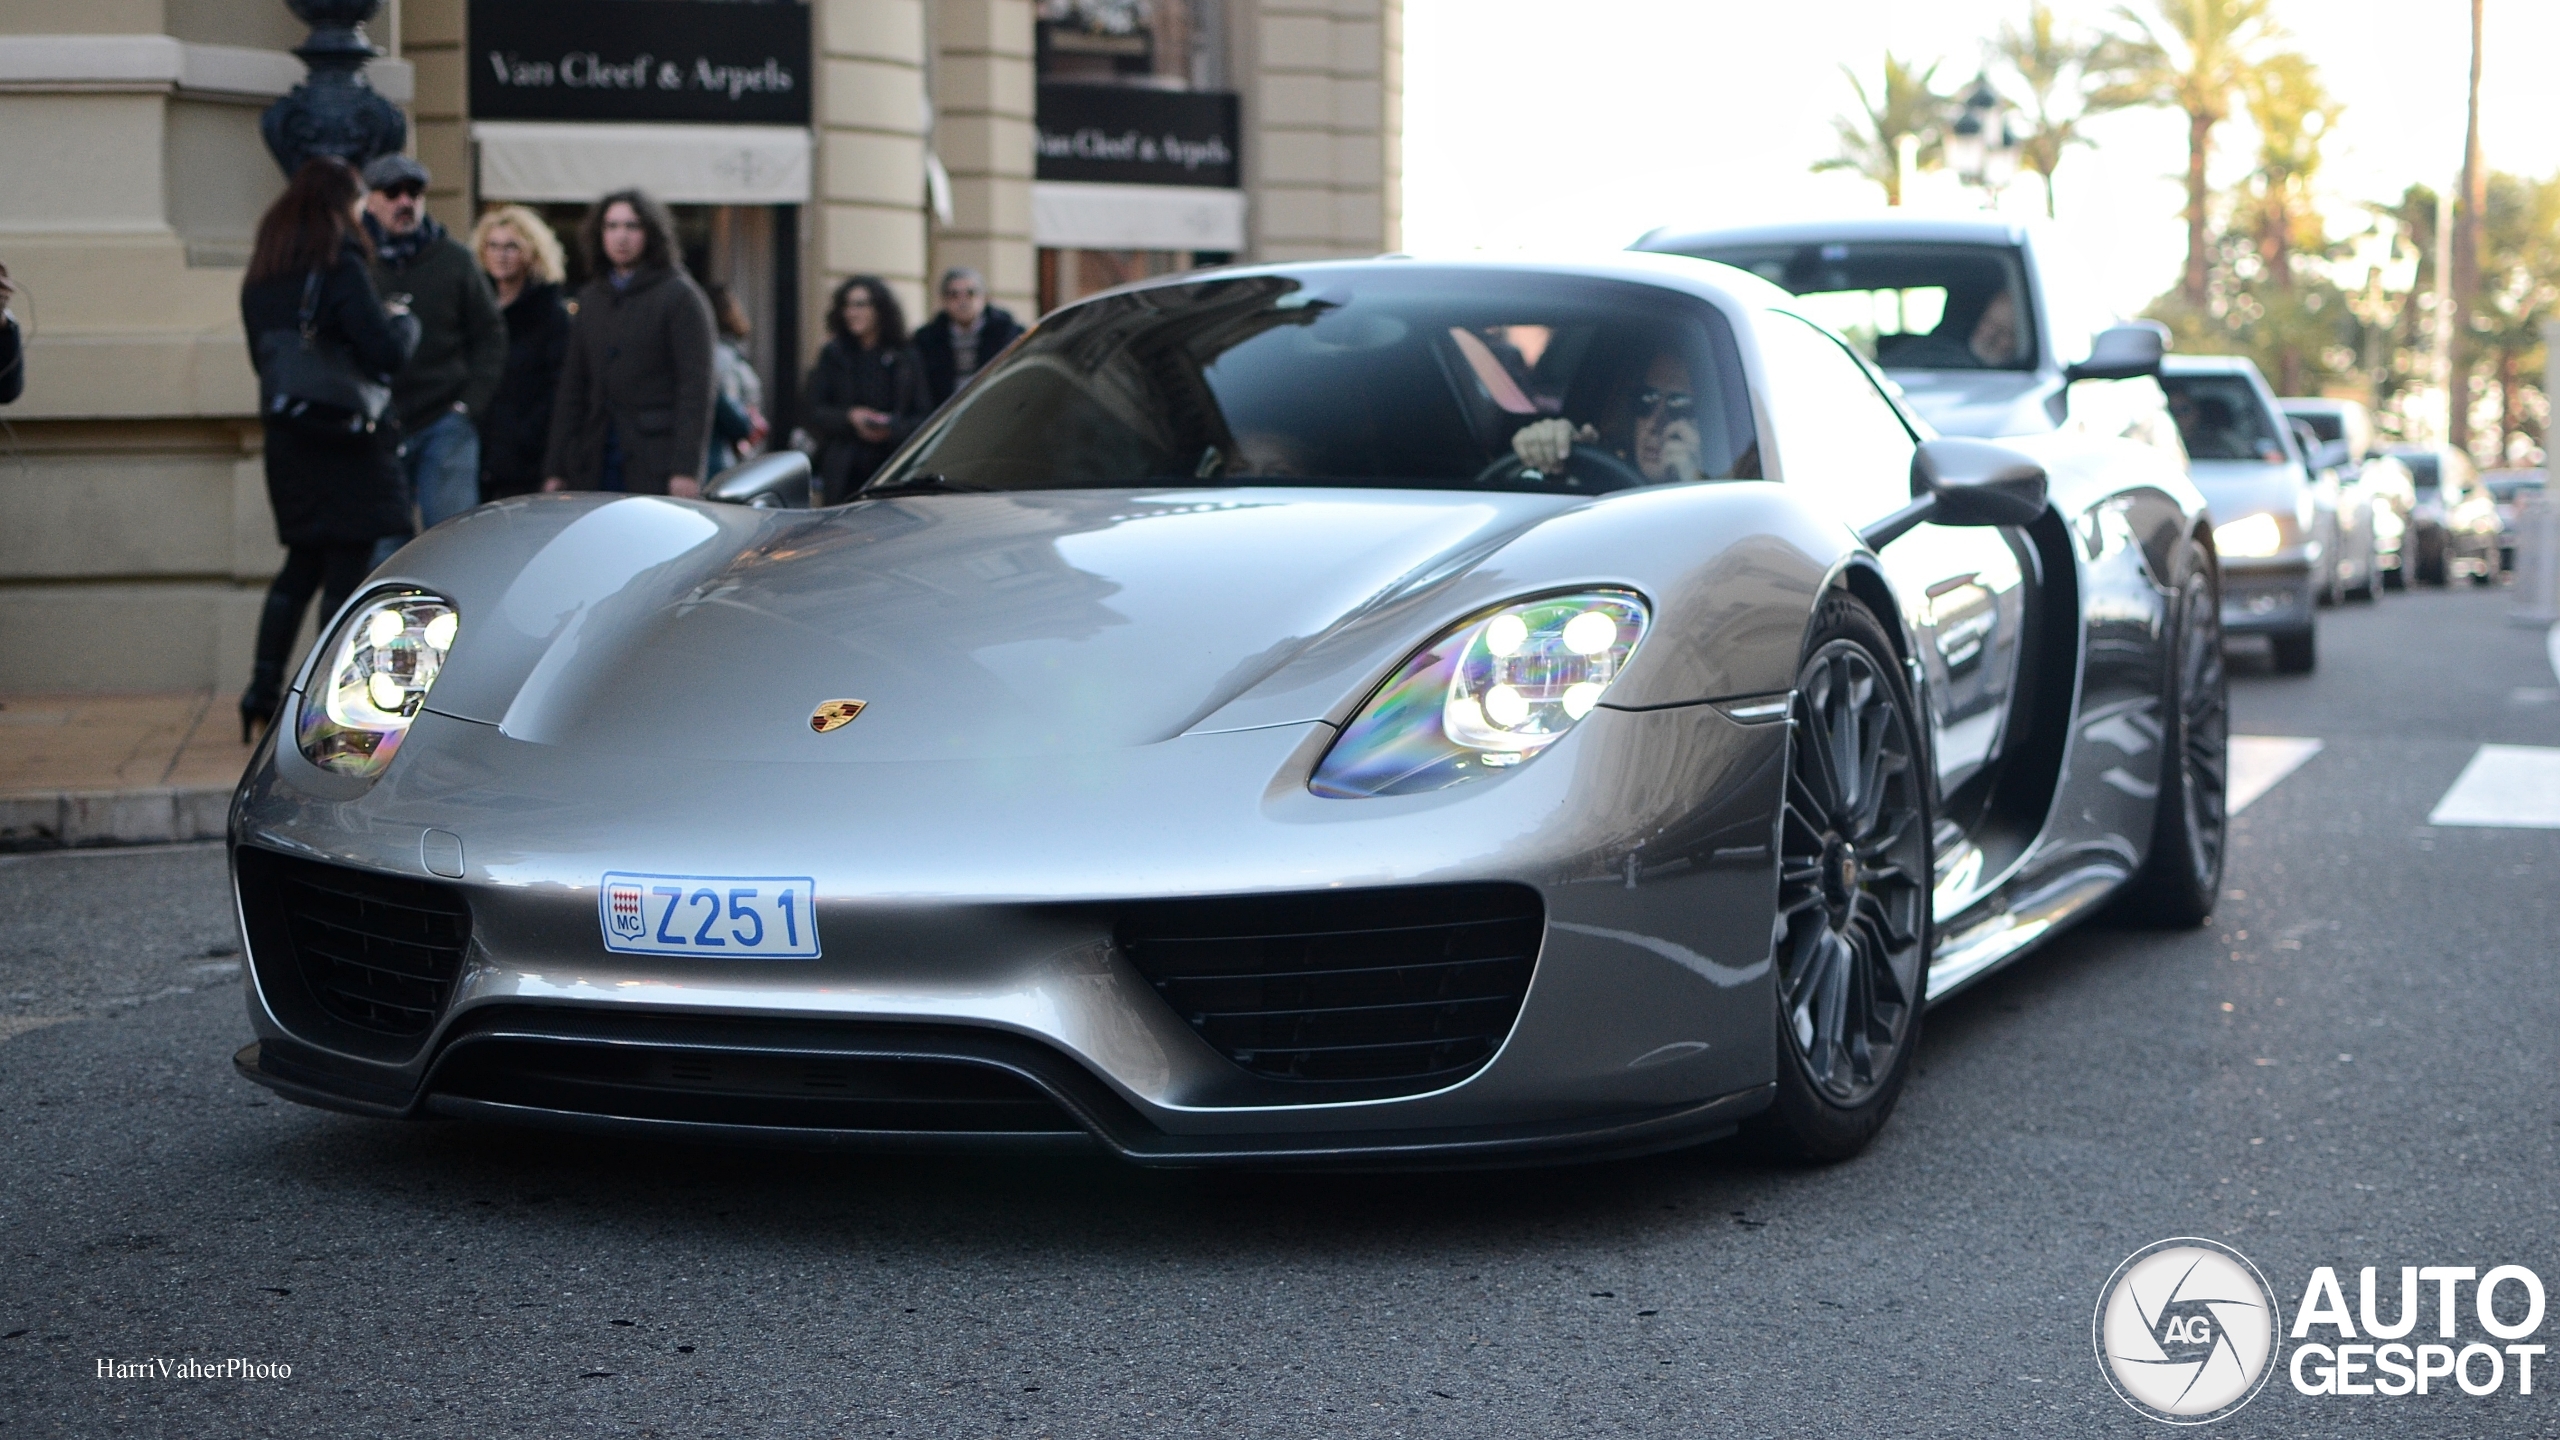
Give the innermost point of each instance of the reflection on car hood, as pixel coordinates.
(1983, 403)
(1039, 623)
(2233, 488)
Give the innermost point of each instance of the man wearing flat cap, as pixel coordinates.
(462, 341)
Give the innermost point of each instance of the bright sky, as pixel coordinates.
(1541, 126)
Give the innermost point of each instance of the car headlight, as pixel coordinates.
(2250, 536)
(377, 671)
(1486, 695)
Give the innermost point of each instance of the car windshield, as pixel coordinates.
(2423, 470)
(2221, 418)
(1907, 306)
(1405, 378)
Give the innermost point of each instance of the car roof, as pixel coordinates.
(1932, 229)
(1704, 278)
(2208, 365)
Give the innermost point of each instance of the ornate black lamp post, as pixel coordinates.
(335, 110)
(1981, 148)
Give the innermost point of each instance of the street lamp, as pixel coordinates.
(335, 110)
(1981, 148)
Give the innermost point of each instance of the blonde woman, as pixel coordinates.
(523, 260)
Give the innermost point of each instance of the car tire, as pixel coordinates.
(2397, 577)
(1852, 955)
(2368, 586)
(2433, 567)
(2297, 651)
(2181, 877)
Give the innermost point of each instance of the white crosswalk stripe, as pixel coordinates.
(2259, 761)
(2514, 787)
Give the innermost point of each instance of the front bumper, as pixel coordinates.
(967, 913)
(2261, 598)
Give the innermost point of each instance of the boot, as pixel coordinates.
(259, 702)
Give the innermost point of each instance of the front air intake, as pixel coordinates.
(1352, 993)
(374, 955)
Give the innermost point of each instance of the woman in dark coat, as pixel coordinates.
(333, 495)
(523, 261)
(634, 411)
(866, 393)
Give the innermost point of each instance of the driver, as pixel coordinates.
(1663, 443)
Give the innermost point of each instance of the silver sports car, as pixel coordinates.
(1377, 713)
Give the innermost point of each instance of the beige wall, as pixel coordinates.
(869, 217)
(983, 89)
(1323, 114)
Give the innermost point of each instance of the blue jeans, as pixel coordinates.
(441, 463)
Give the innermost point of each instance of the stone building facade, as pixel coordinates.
(135, 539)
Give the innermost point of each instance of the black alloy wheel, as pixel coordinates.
(1853, 891)
(2182, 876)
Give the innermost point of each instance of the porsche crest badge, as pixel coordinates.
(835, 715)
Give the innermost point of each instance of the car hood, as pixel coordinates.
(2233, 488)
(972, 626)
(1984, 403)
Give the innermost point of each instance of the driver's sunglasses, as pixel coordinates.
(1676, 402)
(406, 190)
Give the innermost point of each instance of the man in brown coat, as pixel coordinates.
(634, 411)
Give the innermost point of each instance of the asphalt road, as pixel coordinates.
(2352, 1066)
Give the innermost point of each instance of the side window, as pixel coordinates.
(1837, 438)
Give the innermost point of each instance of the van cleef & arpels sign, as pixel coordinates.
(666, 60)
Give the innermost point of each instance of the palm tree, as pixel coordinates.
(2293, 113)
(1871, 140)
(2195, 58)
(2466, 258)
(2053, 65)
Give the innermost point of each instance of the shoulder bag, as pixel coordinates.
(307, 380)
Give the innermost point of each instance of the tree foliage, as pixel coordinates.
(1907, 103)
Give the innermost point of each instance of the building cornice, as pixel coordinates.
(159, 64)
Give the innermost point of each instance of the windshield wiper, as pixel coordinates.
(926, 484)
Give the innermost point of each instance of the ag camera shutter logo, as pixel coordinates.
(2186, 1331)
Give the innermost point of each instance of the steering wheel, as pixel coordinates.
(1590, 468)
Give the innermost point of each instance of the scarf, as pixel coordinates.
(398, 250)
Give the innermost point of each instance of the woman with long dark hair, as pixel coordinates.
(634, 411)
(867, 392)
(332, 478)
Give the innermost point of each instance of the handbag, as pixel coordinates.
(307, 380)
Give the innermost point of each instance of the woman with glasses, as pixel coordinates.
(524, 263)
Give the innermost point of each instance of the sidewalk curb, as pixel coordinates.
(154, 816)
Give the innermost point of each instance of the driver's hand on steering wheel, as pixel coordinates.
(1545, 444)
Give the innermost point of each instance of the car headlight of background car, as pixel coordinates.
(375, 674)
(1486, 695)
(2250, 537)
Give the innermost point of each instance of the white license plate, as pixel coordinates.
(732, 917)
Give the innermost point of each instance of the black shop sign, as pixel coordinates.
(1126, 135)
(689, 60)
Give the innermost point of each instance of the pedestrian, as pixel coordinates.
(967, 334)
(333, 481)
(866, 393)
(634, 411)
(13, 345)
(462, 344)
(522, 259)
(738, 426)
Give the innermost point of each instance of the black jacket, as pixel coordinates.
(517, 424)
(332, 490)
(885, 380)
(462, 347)
(639, 361)
(13, 361)
(996, 329)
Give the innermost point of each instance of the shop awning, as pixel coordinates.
(680, 164)
(1072, 215)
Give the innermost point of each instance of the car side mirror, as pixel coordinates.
(2123, 352)
(1965, 482)
(779, 481)
(2330, 455)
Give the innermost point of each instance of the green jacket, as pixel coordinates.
(462, 340)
